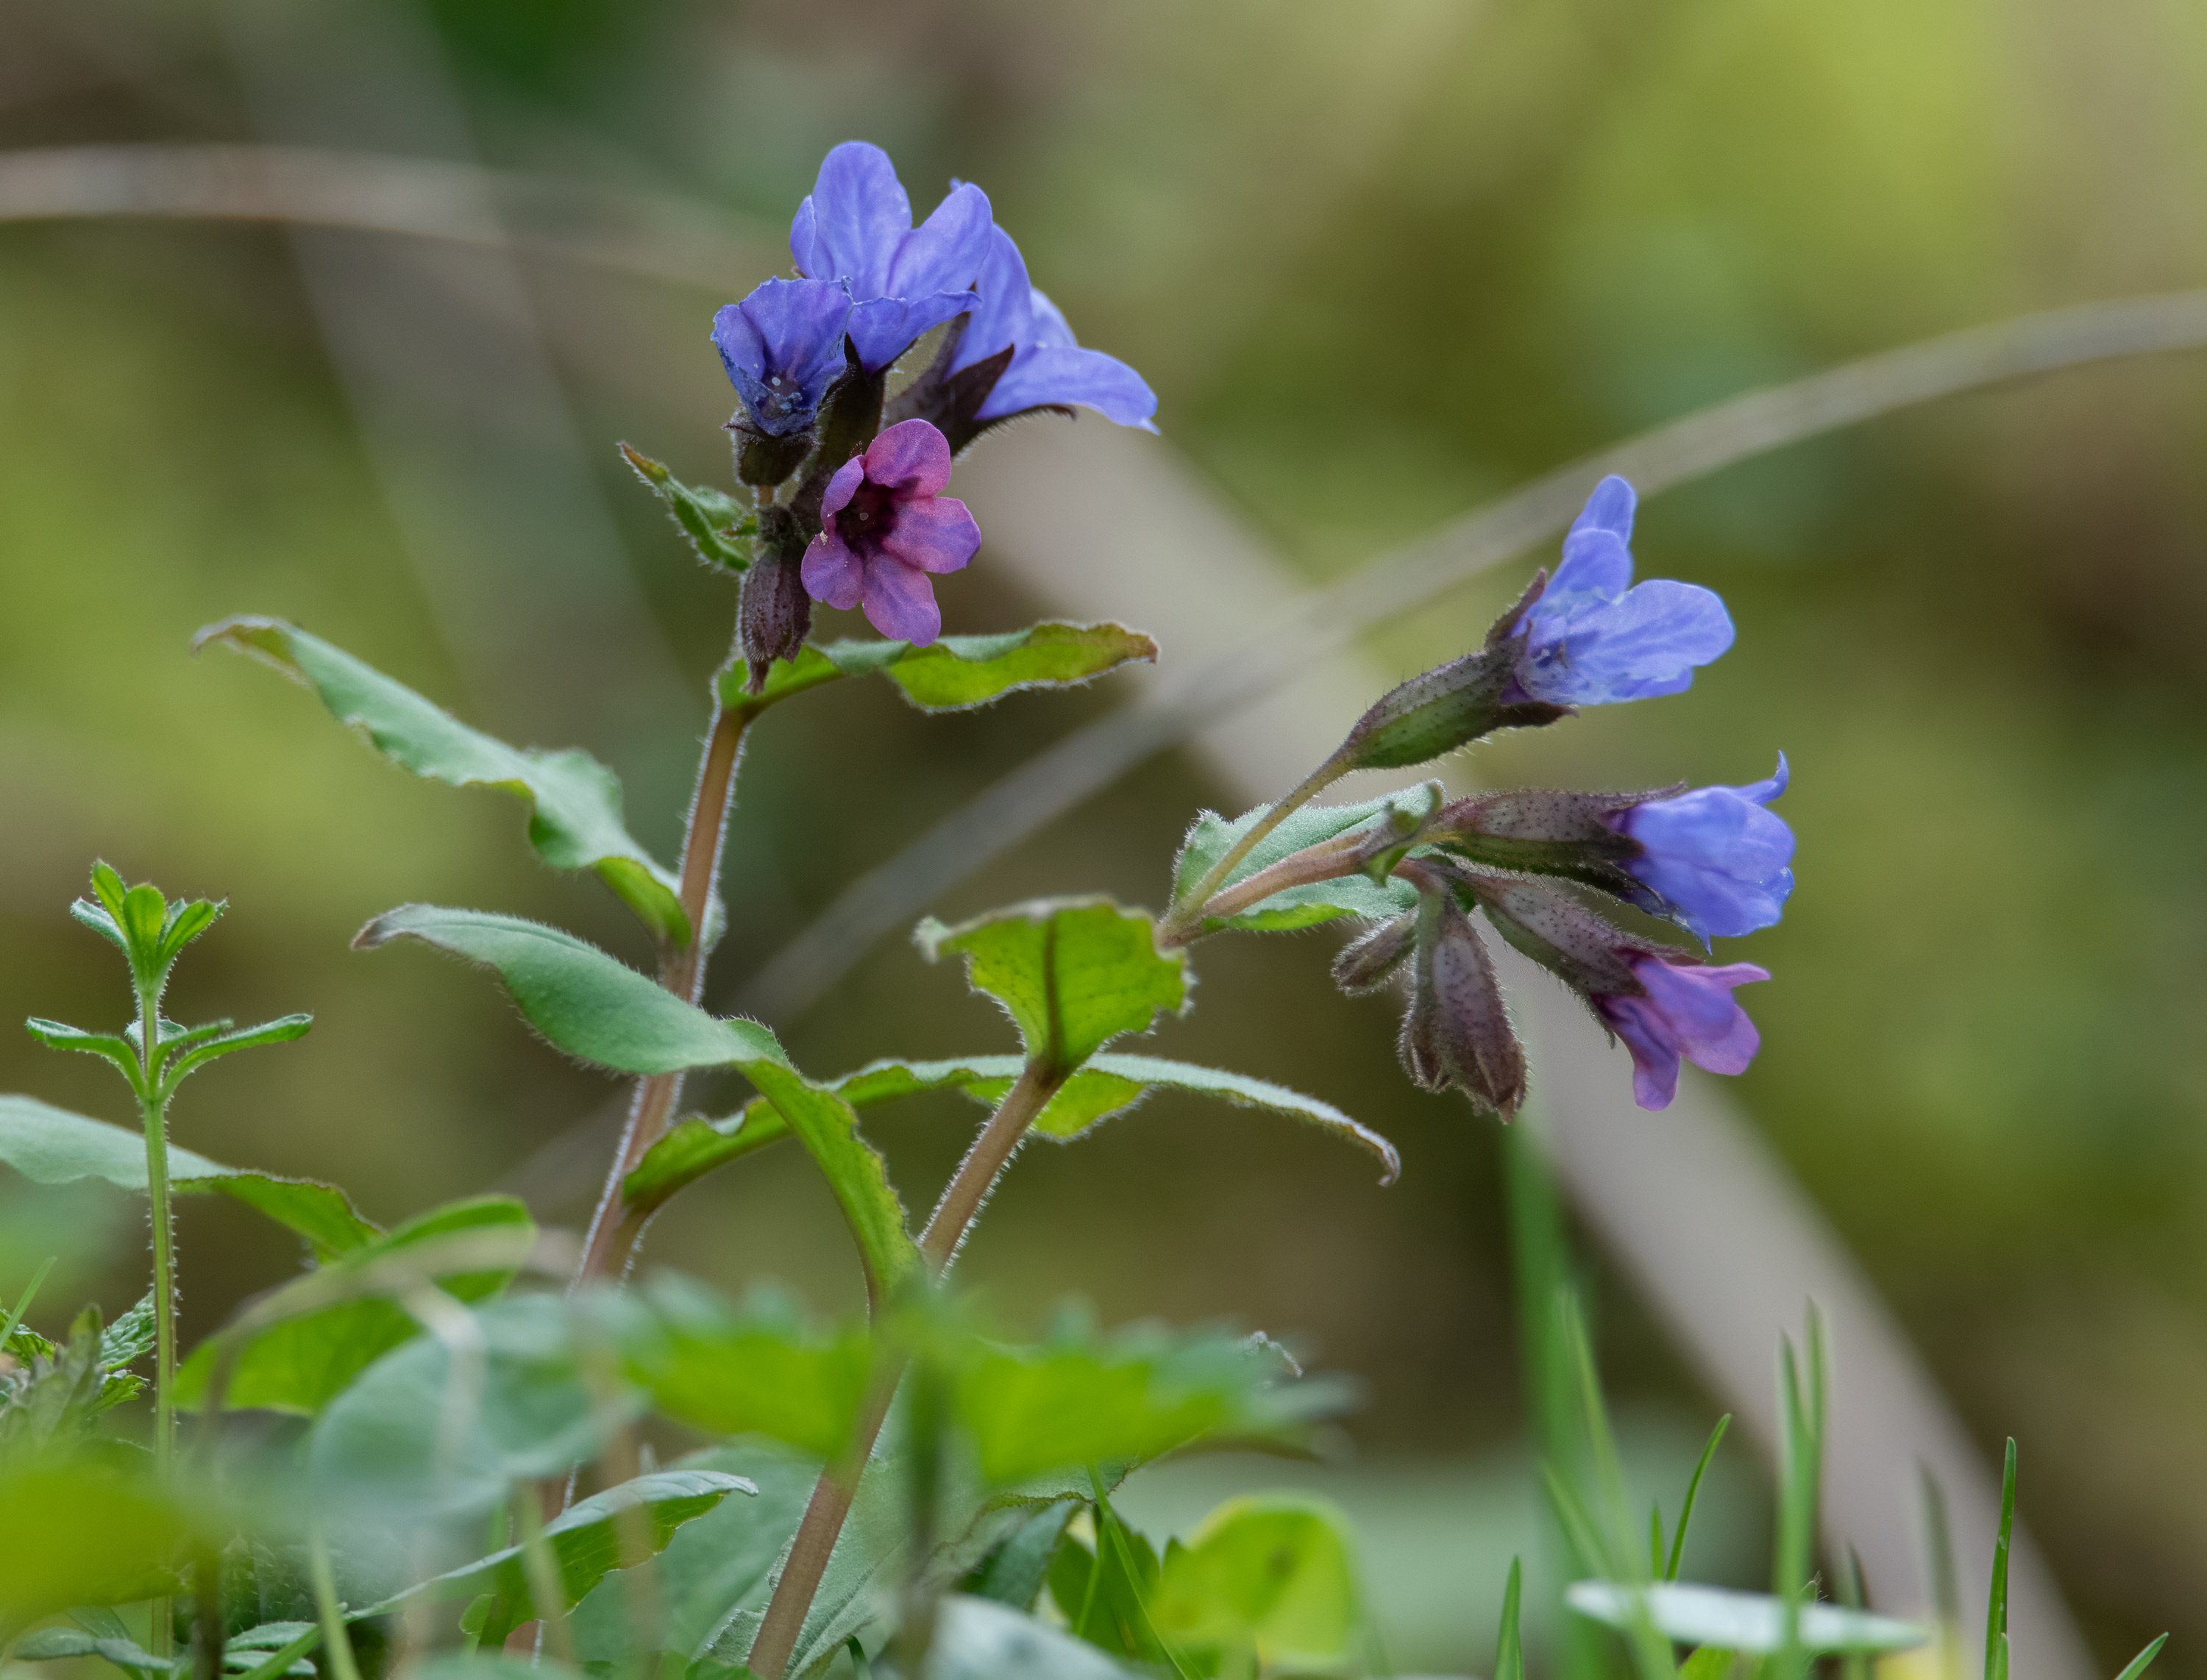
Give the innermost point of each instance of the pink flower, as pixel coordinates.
(885, 526)
(1687, 1010)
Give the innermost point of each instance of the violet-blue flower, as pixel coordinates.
(885, 526)
(1687, 1011)
(1594, 637)
(1716, 857)
(781, 346)
(856, 227)
(1048, 365)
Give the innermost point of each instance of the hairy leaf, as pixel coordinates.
(599, 1009)
(575, 817)
(954, 671)
(1751, 1622)
(1072, 973)
(616, 1529)
(720, 528)
(1108, 1086)
(300, 1365)
(50, 1145)
(1213, 835)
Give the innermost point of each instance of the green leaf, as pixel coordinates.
(980, 1639)
(50, 1145)
(755, 1371)
(1708, 1662)
(593, 1007)
(954, 672)
(1509, 1641)
(1274, 1574)
(299, 1365)
(55, 1644)
(1212, 836)
(1109, 1086)
(575, 818)
(720, 528)
(616, 1529)
(59, 1036)
(1072, 973)
(1750, 1622)
(716, 1566)
(1124, 1399)
(131, 1337)
(203, 1049)
(101, 1536)
(1105, 1594)
(1017, 1566)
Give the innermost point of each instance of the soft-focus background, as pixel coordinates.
(1380, 263)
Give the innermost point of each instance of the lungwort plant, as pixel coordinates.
(426, 1453)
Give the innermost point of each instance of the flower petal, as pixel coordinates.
(1064, 374)
(884, 328)
(1610, 508)
(842, 486)
(738, 340)
(1645, 642)
(944, 253)
(1005, 313)
(1596, 567)
(935, 533)
(900, 602)
(831, 572)
(857, 217)
(911, 458)
(1654, 1053)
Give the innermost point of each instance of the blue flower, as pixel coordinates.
(781, 346)
(857, 228)
(1047, 367)
(1682, 1010)
(1592, 636)
(1717, 858)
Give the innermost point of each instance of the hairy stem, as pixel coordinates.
(961, 1202)
(1188, 912)
(682, 971)
(1326, 861)
(154, 1114)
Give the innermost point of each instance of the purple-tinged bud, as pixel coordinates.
(1450, 706)
(1370, 961)
(773, 614)
(1456, 1031)
(1664, 1003)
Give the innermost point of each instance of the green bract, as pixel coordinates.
(954, 672)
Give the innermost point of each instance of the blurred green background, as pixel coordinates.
(1380, 263)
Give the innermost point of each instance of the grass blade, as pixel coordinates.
(2139, 1664)
(1996, 1606)
(1693, 1490)
(23, 1303)
(1945, 1580)
(1510, 1647)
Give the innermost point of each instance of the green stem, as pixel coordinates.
(1189, 910)
(154, 1114)
(329, 1611)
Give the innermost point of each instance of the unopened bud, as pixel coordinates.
(762, 459)
(1367, 964)
(1452, 705)
(775, 613)
(1557, 931)
(1546, 831)
(1457, 1031)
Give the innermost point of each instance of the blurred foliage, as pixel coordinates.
(1379, 262)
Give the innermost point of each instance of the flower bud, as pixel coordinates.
(1547, 831)
(1456, 1031)
(1557, 931)
(1370, 962)
(775, 613)
(765, 459)
(1451, 705)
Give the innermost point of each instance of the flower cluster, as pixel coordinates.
(849, 480)
(1715, 861)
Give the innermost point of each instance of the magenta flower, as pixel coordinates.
(1686, 1011)
(885, 526)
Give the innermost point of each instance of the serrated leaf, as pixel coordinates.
(755, 1371)
(50, 1145)
(954, 672)
(1750, 1622)
(1213, 835)
(1072, 974)
(720, 528)
(1271, 1575)
(1109, 1086)
(131, 1337)
(599, 1009)
(616, 1529)
(574, 802)
(300, 1365)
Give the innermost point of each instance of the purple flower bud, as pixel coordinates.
(773, 614)
(1716, 857)
(781, 345)
(1370, 961)
(885, 527)
(1047, 367)
(1683, 1009)
(1456, 1031)
(903, 280)
(1593, 637)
